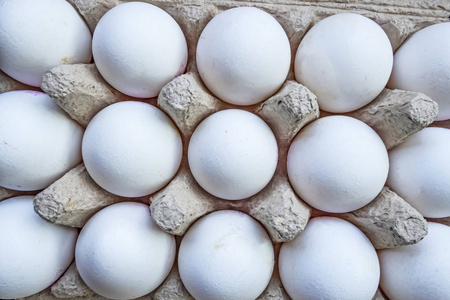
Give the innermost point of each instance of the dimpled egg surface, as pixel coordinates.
(243, 55)
(330, 259)
(131, 149)
(226, 255)
(419, 271)
(420, 171)
(122, 254)
(233, 154)
(337, 164)
(345, 60)
(422, 64)
(138, 48)
(39, 142)
(39, 35)
(33, 252)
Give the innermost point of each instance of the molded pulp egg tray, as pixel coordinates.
(388, 221)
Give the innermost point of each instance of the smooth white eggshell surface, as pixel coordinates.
(138, 48)
(39, 142)
(122, 254)
(33, 253)
(131, 149)
(330, 259)
(39, 35)
(337, 164)
(226, 255)
(422, 64)
(243, 55)
(419, 271)
(420, 171)
(345, 60)
(233, 154)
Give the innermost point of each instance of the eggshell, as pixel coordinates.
(420, 171)
(122, 254)
(33, 253)
(243, 55)
(331, 259)
(226, 255)
(138, 48)
(422, 64)
(39, 142)
(419, 271)
(132, 149)
(345, 60)
(337, 164)
(39, 35)
(233, 154)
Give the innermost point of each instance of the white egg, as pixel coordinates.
(337, 164)
(243, 55)
(226, 255)
(122, 254)
(233, 154)
(422, 64)
(33, 253)
(132, 149)
(420, 271)
(138, 48)
(39, 142)
(39, 35)
(420, 171)
(331, 259)
(345, 60)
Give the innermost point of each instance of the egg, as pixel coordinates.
(243, 55)
(39, 35)
(39, 142)
(345, 60)
(330, 259)
(419, 271)
(122, 254)
(420, 171)
(337, 164)
(226, 255)
(422, 64)
(138, 48)
(233, 154)
(33, 253)
(131, 149)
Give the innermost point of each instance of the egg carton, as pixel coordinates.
(79, 89)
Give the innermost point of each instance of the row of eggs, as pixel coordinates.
(132, 149)
(122, 254)
(243, 54)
